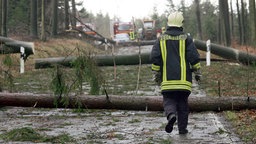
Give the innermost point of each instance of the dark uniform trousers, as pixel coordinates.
(176, 102)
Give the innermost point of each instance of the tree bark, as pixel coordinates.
(150, 103)
(13, 46)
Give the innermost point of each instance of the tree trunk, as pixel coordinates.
(4, 18)
(252, 22)
(54, 17)
(73, 16)
(43, 36)
(239, 23)
(1, 15)
(232, 20)
(224, 21)
(243, 22)
(13, 46)
(199, 27)
(150, 103)
(33, 18)
(227, 52)
(101, 60)
(66, 9)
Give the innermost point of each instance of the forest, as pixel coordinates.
(225, 23)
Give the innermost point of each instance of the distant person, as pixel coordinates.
(174, 57)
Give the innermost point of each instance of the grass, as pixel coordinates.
(26, 134)
(245, 123)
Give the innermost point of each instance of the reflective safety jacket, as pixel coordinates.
(175, 56)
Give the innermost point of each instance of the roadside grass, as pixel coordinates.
(245, 124)
(28, 134)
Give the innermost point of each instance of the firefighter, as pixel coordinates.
(174, 57)
(163, 30)
(132, 35)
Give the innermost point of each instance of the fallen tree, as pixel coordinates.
(101, 60)
(13, 46)
(133, 59)
(227, 52)
(150, 103)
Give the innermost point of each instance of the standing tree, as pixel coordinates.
(239, 22)
(224, 21)
(252, 22)
(4, 18)
(232, 19)
(242, 18)
(33, 18)
(73, 16)
(199, 27)
(1, 16)
(55, 17)
(43, 36)
(66, 8)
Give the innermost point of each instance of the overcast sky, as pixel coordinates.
(126, 9)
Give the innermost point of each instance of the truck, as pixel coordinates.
(87, 28)
(149, 30)
(121, 27)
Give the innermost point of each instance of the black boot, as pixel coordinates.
(185, 131)
(171, 121)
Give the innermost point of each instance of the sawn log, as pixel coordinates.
(149, 103)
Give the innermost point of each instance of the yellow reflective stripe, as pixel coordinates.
(168, 37)
(175, 87)
(163, 51)
(196, 66)
(155, 67)
(132, 37)
(177, 82)
(182, 59)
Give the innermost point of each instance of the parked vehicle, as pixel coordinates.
(121, 37)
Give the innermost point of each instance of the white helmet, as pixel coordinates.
(175, 19)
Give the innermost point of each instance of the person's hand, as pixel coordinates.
(157, 77)
(198, 75)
